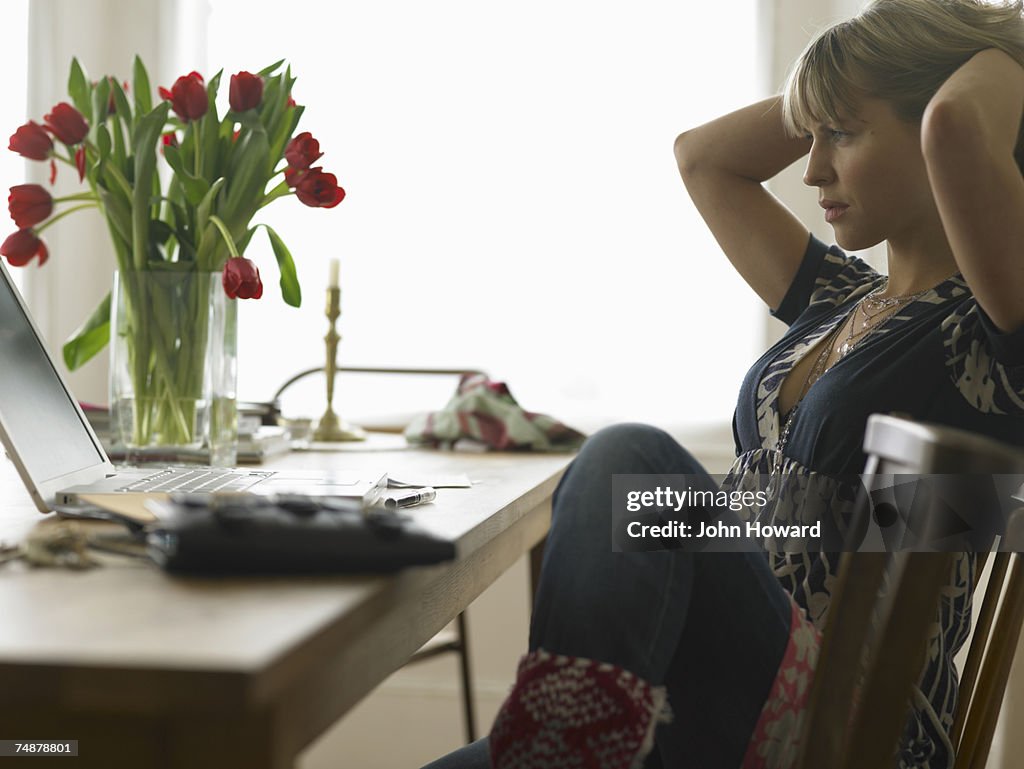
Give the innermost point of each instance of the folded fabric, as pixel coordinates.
(485, 412)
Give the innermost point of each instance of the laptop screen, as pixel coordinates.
(42, 422)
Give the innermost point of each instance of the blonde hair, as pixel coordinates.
(899, 51)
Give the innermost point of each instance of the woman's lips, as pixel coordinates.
(834, 212)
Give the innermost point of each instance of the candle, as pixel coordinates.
(333, 280)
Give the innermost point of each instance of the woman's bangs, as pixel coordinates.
(819, 89)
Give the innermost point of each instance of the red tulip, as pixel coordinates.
(29, 204)
(246, 91)
(20, 247)
(319, 189)
(53, 172)
(187, 97)
(80, 162)
(241, 279)
(302, 151)
(31, 141)
(169, 139)
(66, 123)
(292, 177)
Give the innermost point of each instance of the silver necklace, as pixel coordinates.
(878, 304)
(850, 342)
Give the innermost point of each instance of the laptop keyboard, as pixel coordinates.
(204, 479)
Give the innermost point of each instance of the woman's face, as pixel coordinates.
(870, 164)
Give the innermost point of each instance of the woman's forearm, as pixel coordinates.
(750, 143)
(968, 134)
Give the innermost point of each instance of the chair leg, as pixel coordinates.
(536, 560)
(991, 686)
(467, 681)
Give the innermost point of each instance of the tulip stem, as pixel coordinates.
(195, 141)
(77, 196)
(227, 235)
(62, 214)
(117, 176)
(279, 191)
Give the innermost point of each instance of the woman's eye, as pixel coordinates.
(835, 134)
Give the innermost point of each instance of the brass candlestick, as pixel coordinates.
(333, 429)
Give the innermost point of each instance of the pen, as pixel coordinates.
(417, 497)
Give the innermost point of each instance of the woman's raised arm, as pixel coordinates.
(968, 135)
(723, 164)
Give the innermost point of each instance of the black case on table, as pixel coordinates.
(201, 534)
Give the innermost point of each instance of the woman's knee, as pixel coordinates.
(635, 448)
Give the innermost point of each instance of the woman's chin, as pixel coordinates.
(851, 241)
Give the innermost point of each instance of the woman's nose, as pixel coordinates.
(819, 171)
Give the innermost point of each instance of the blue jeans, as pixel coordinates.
(710, 627)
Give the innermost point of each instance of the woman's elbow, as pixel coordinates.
(686, 155)
(948, 127)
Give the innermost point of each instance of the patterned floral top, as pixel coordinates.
(939, 359)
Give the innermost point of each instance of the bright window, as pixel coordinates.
(513, 202)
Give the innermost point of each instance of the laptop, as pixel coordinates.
(62, 463)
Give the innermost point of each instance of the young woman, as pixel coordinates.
(910, 114)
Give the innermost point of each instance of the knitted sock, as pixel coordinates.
(575, 712)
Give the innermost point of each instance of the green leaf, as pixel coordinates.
(120, 152)
(208, 131)
(78, 87)
(243, 242)
(284, 132)
(144, 141)
(100, 96)
(247, 175)
(140, 87)
(90, 338)
(118, 213)
(121, 105)
(290, 291)
(161, 231)
(195, 189)
(267, 71)
(203, 211)
(103, 142)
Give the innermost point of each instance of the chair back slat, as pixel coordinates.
(846, 632)
(883, 610)
(897, 655)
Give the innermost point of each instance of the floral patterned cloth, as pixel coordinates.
(484, 413)
(773, 742)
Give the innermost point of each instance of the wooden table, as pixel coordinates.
(148, 671)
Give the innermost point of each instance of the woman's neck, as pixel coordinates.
(920, 266)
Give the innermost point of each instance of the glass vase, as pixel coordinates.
(173, 367)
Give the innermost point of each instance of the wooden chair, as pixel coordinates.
(878, 661)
